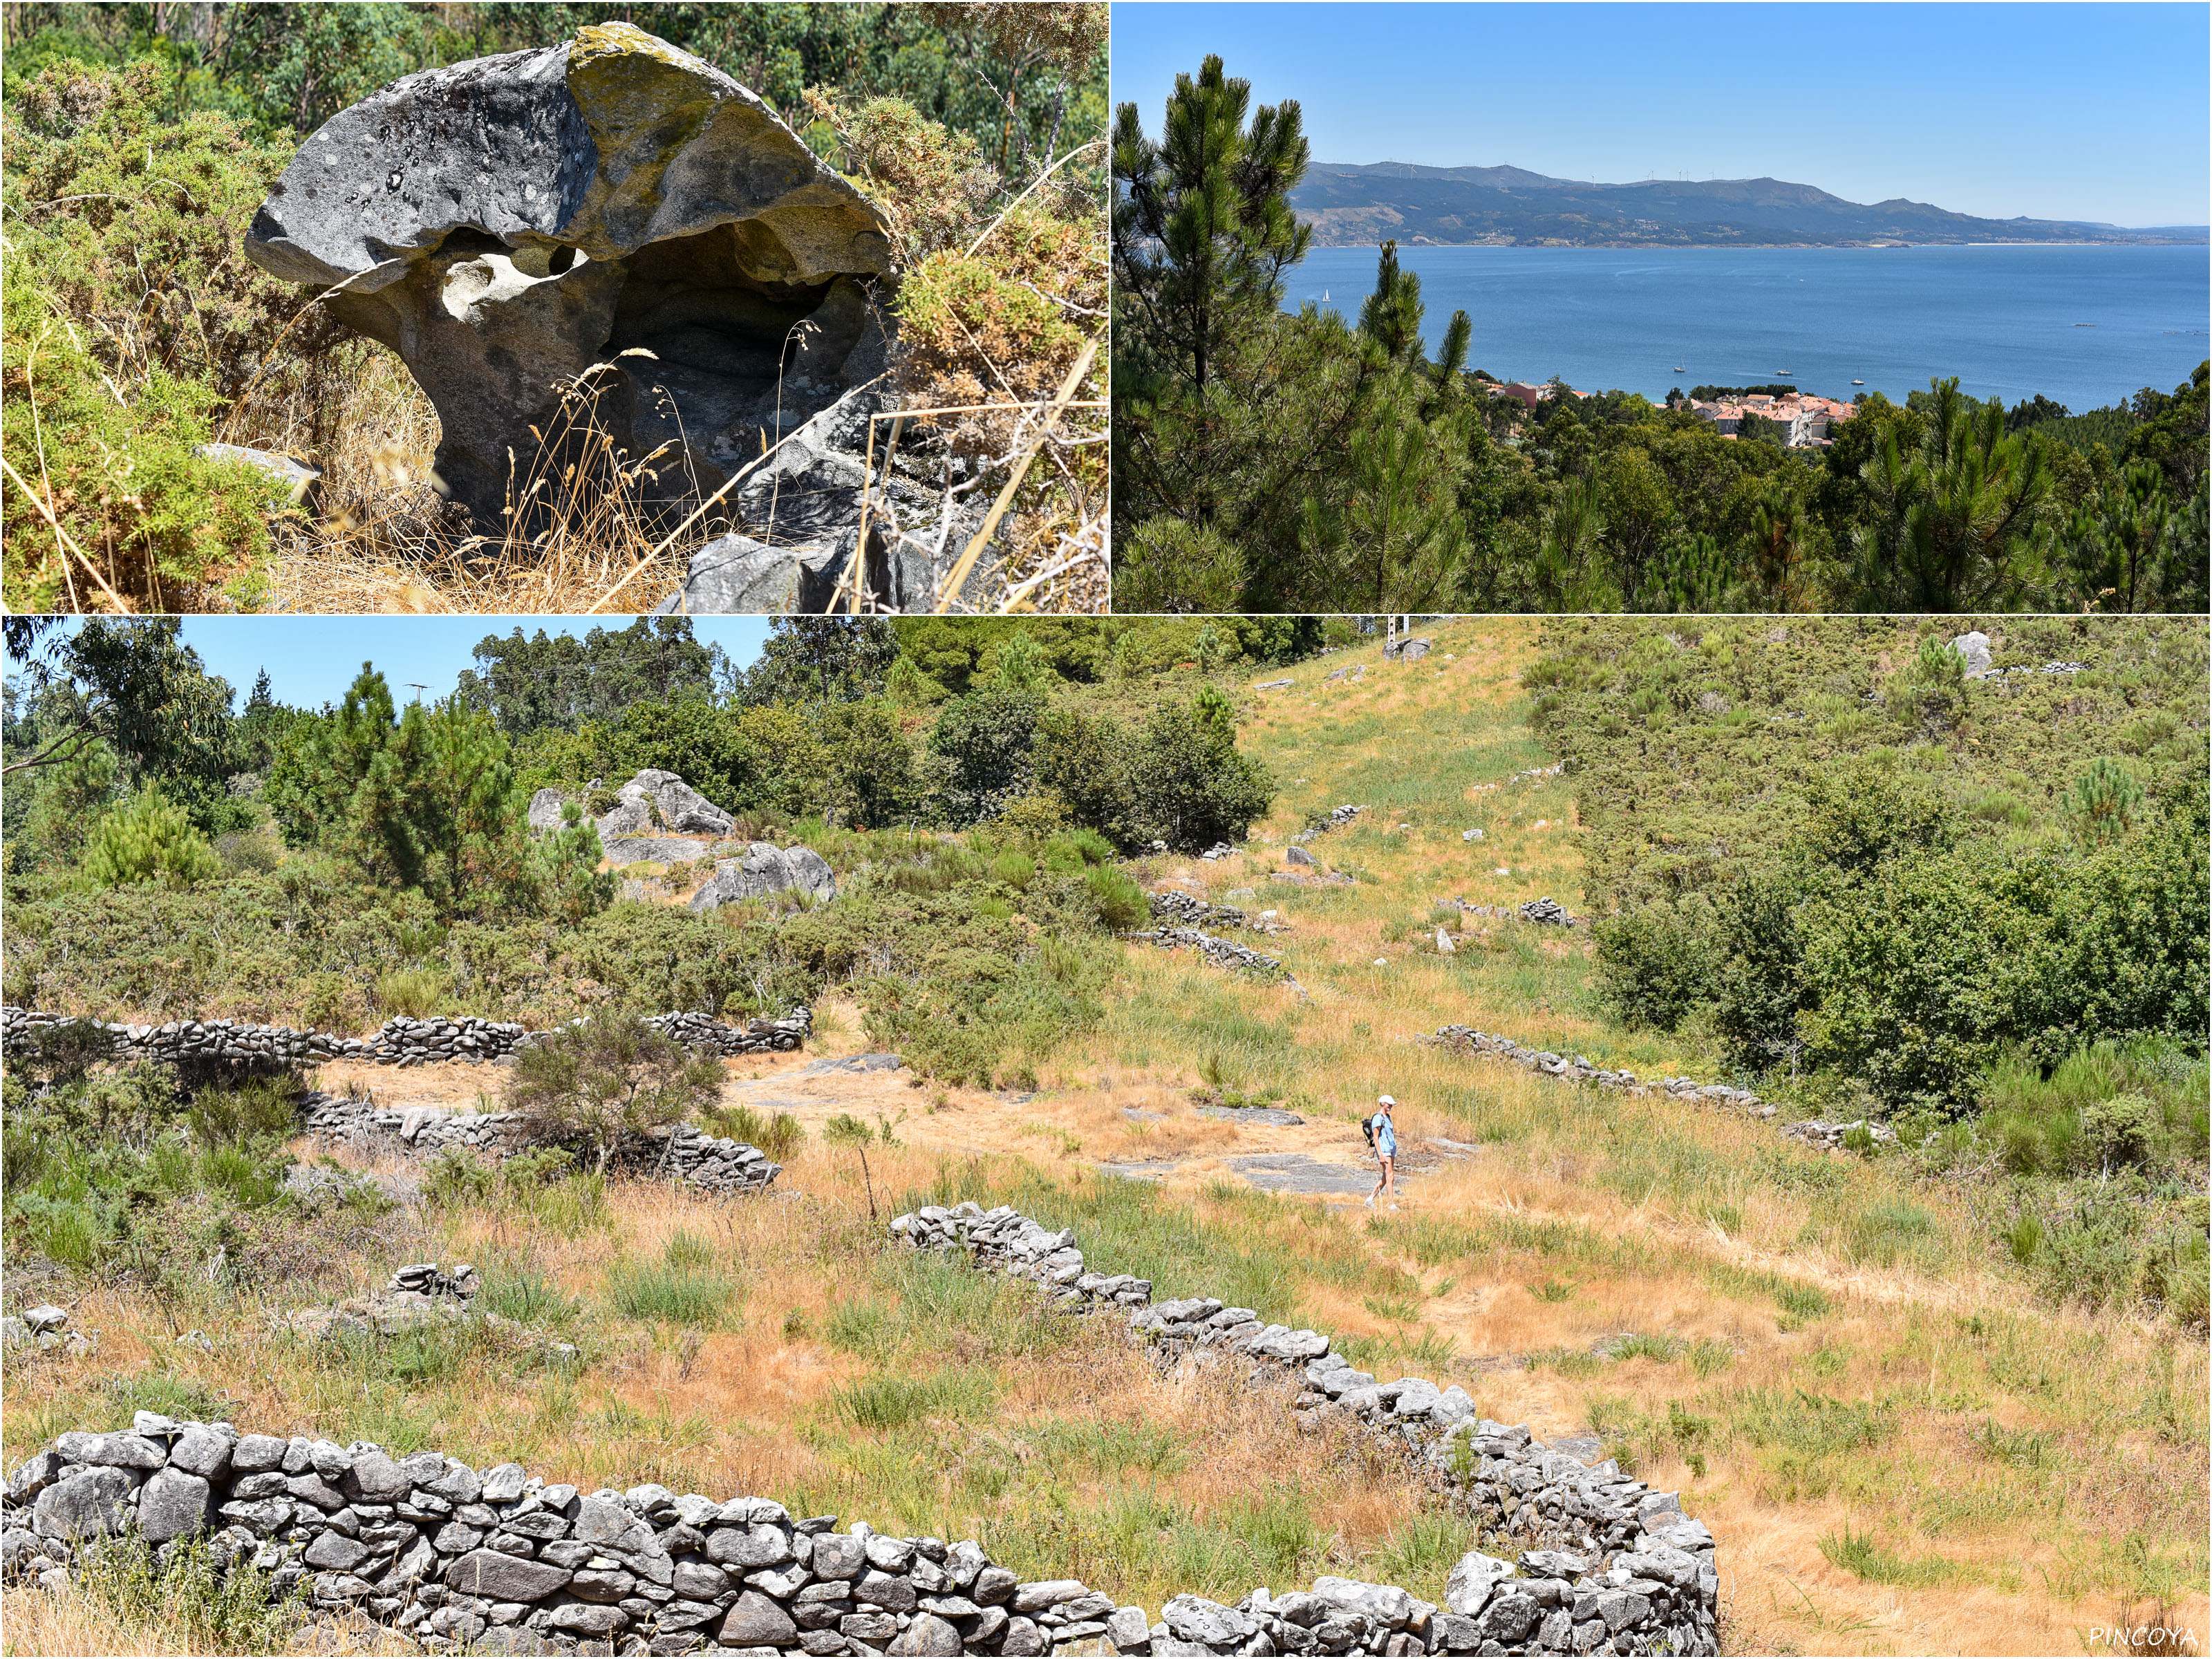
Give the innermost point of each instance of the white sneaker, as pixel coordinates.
(1394, 1207)
(1371, 1201)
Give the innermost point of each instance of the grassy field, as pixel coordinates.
(1901, 1443)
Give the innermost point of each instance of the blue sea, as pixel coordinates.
(2086, 325)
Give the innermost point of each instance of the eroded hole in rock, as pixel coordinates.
(724, 341)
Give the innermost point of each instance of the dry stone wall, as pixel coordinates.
(1575, 1068)
(688, 1153)
(498, 1560)
(1194, 912)
(240, 1045)
(1617, 1568)
(1337, 818)
(502, 1561)
(1221, 952)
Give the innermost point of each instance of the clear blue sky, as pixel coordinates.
(312, 659)
(2096, 112)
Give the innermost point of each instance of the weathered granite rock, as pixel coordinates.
(611, 217)
(547, 807)
(766, 869)
(1973, 649)
(499, 1576)
(655, 801)
(1468, 1590)
(820, 500)
(173, 1504)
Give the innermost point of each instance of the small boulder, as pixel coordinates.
(928, 1635)
(88, 1505)
(1973, 650)
(757, 1622)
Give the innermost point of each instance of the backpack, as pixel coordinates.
(1367, 1128)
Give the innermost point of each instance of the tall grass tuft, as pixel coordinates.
(187, 1598)
(668, 1293)
(779, 1136)
(886, 1402)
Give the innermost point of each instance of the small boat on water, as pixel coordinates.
(1858, 382)
(1679, 369)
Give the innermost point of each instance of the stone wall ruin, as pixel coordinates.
(240, 1048)
(502, 1561)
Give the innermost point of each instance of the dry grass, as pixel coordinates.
(382, 540)
(73, 1623)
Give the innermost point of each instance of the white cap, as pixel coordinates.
(1385, 1100)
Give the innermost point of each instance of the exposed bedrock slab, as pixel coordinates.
(609, 217)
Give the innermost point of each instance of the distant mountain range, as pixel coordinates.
(1349, 206)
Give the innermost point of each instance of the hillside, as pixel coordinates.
(1350, 206)
(1906, 1432)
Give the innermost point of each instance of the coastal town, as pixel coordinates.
(1805, 420)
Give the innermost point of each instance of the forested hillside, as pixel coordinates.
(330, 868)
(1274, 462)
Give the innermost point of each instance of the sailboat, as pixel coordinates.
(1679, 369)
(1858, 382)
(1324, 296)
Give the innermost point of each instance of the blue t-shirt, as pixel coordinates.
(1386, 1138)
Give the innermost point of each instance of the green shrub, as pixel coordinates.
(2104, 802)
(2108, 1106)
(606, 1082)
(1654, 965)
(148, 839)
(183, 1595)
(2177, 1271)
(1120, 904)
(415, 992)
(262, 1111)
(113, 405)
(2127, 1129)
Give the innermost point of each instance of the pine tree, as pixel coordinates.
(427, 801)
(148, 839)
(1202, 226)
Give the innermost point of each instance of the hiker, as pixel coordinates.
(1383, 1136)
